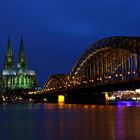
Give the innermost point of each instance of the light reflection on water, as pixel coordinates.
(128, 103)
(70, 122)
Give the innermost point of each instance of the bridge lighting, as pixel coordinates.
(3, 98)
(137, 90)
(128, 72)
(44, 99)
(112, 98)
(134, 72)
(109, 77)
(120, 74)
(20, 98)
(76, 72)
(134, 98)
(84, 82)
(30, 92)
(116, 75)
(61, 99)
(30, 100)
(78, 82)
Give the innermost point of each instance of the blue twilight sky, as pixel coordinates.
(56, 32)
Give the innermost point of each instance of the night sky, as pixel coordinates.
(56, 32)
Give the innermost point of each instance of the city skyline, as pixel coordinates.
(56, 33)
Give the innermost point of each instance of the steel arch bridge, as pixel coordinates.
(108, 60)
(56, 82)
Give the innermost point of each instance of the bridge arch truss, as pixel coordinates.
(110, 59)
(56, 82)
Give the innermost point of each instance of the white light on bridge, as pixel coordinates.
(44, 99)
(112, 98)
(30, 100)
(134, 98)
(109, 77)
(137, 90)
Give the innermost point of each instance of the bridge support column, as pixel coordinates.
(61, 99)
(106, 97)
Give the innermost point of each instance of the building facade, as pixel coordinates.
(17, 77)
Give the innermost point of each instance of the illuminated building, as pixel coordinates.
(18, 77)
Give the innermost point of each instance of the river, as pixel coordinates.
(69, 122)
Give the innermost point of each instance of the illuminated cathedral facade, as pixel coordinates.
(17, 77)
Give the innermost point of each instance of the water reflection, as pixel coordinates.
(128, 103)
(69, 121)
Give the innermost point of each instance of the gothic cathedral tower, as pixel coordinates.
(9, 60)
(20, 77)
(22, 61)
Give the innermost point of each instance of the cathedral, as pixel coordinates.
(18, 77)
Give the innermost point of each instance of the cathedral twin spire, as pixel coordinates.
(9, 59)
(22, 62)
